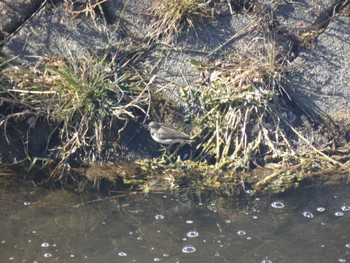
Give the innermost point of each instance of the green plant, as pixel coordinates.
(240, 111)
(81, 96)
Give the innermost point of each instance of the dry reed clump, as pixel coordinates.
(170, 17)
(82, 97)
(241, 114)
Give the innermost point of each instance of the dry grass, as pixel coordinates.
(171, 16)
(85, 7)
(82, 97)
(241, 113)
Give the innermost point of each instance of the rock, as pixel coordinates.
(322, 85)
(14, 13)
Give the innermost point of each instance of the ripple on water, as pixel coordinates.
(159, 217)
(192, 233)
(277, 204)
(188, 249)
(345, 208)
(308, 214)
(45, 244)
(320, 209)
(241, 233)
(339, 213)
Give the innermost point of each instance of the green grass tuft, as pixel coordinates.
(82, 97)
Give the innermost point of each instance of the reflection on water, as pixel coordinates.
(308, 225)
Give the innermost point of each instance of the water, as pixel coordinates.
(307, 225)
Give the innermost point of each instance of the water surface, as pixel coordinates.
(307, 225)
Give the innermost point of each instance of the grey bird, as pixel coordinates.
(165, 134)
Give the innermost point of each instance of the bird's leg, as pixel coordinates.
(166, 151)
(177, 149)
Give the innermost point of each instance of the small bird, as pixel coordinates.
(165, 134)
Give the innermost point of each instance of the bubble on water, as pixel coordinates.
(217, 254)
(29, 241)
(3, 241)
(192, 233)
(188, 249)
(255, 217)
(72, 255)
(241, 233)
(228, 221)
(159, 217)
(266, 260)
(277, 204)
(249, 238)
(189, 221)
(166, 255)
(47, 255)
(320, 209)
(308, 214)
(345, 208)
(11, 258)
(26, 203)
(54, 245)
(103, 223)
(347, 245)
(339, 213)
(122, 254)
(342, 260)
(45, 244)
(33, 232)
(249, 191)
(156, 259)
(139, 238)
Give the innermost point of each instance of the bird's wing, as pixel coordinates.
(170, 132)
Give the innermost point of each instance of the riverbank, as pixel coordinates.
(77, 92)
